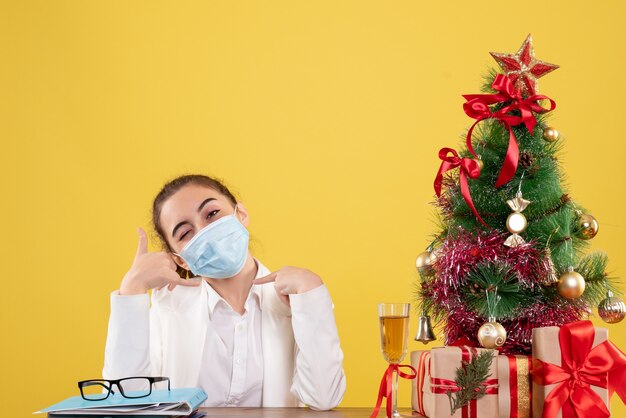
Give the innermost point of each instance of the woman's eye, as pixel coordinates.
(212, 213)
(183, 236)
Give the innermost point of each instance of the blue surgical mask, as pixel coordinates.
(219, 250)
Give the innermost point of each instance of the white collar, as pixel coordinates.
(214, 298)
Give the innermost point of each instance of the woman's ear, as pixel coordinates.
(179, 261)
(242, 214)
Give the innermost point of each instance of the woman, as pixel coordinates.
(247, 336)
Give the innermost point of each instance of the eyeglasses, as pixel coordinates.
(129, 387)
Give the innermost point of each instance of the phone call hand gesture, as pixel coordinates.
(151, 270)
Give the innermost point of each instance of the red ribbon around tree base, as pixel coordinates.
(477, 107)
(467, 167)
(386, 386)
(603, 366)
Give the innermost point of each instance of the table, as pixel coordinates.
(295, 412)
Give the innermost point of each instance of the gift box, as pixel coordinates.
(515, 386)
(444, 362)
(571, 367)
(420, 394)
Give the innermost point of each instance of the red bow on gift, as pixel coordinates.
(468, 167)
(477, 107)
(603, 366)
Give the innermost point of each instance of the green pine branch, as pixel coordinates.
(499, 278)
(593, 268)
(470, 379)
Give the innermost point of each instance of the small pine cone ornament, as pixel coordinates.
(526, 160)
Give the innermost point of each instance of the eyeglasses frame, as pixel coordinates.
(116, 382)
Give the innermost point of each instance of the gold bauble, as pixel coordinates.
(423, 260)
(571, 285)
(612, 309)
(434, 254)
(516, 222)
(550, 134)
(491, 335)
(587, 226)
(480, 163)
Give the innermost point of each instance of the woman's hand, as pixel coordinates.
(151, 270)
(291, 281)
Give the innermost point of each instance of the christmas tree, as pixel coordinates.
(511, 252)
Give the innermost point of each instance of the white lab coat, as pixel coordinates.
(302, 358)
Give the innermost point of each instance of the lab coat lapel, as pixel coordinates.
(184, 333)
(278, 347)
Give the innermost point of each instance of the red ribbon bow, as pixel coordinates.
(468, 167)
(386, 385)
(477, 107)
(603, 366)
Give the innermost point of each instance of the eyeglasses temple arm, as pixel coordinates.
(163, 379)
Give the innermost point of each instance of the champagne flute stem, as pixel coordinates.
(394, 396)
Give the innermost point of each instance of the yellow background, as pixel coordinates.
(324, 117)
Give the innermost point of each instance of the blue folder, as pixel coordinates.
(161, 402)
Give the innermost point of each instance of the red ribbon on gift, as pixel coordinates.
(386, 385)
(603, 366)
(422, 373)
(467, 167)
(477, 107)
(514, 385)
(443, 386)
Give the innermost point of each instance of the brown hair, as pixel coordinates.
(175, 185)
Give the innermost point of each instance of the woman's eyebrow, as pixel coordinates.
(204, 202)
(178, 226)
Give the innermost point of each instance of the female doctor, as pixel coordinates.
(247, 336)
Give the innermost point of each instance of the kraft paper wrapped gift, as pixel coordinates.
(515, 386)
(421, 397)
(444, 362)
(547, 349)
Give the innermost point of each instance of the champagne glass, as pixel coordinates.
(394, 331)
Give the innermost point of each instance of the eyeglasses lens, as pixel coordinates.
(95, 390)
(135, 387)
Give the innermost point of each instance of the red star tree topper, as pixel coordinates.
(523, 68)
